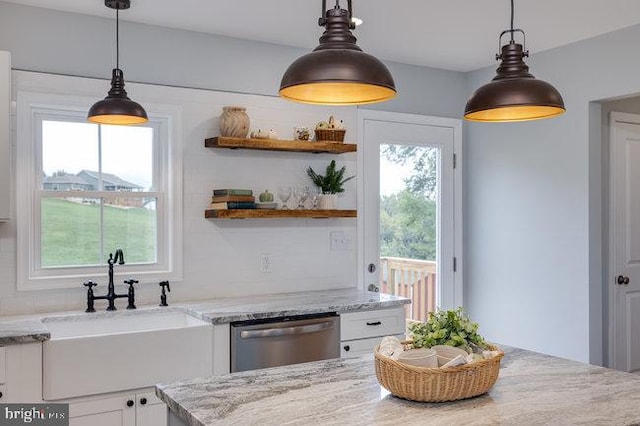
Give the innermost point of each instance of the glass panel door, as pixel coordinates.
(408, 216)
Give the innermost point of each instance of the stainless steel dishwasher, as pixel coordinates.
(284, 340)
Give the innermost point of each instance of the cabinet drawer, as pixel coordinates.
(355, 348)
(3, 362)
(362, 325)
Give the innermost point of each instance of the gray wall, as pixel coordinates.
(73, 44)
(533, 203)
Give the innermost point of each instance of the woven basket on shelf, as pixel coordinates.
(437, 384)
(330, 135)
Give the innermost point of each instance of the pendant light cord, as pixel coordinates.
(118, 38)
(511, 22)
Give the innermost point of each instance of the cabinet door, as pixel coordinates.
(109, 411)
(3, 363)
(5, 134)
(150, 411)
(221, 349)
(23, 373)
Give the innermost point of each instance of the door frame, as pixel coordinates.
(614, 358)
(415, 119)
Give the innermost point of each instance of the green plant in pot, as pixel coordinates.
(331, 184)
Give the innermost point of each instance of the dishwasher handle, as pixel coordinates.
(286, 331)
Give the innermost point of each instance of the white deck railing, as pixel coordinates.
(411, 278)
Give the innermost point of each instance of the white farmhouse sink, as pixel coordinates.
(109, 352)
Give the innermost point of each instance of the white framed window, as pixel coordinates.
(85, 189)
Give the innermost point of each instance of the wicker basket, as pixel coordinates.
(437, 384)
(330, 135)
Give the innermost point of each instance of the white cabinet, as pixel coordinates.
(5, 135)
(21, 373)
(221, 348)
(105, 411)
(361, 331)
(150, 410)
(358, 347)
(3, 369)
(123, 409)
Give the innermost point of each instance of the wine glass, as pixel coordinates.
(284, 193)
(316, 193)
(301, 193)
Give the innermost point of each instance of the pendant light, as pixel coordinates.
(117, 108)
(514, 94)
(337, 72)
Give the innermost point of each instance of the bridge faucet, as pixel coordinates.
(111, 295)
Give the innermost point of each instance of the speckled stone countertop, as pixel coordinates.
(532, 389)
(217, 311)
(25, 331)
(271, 306)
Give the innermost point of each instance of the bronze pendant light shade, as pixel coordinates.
(337, 72)
(514, 94)
(117, 108)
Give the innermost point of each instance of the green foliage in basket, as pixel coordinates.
(452, 328)
(333, 180)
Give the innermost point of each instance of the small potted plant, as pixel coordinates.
(331, 184)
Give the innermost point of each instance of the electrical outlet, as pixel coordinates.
(265, 262)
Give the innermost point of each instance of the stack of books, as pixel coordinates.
(225, 199)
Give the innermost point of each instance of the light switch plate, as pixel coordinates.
(339, 241)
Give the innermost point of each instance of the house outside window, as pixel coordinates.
(94, 188)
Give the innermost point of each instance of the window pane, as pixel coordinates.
(131, 224)
(67, 149)
(82, 231)
(70, 231)
(409, 186)
(127, 158)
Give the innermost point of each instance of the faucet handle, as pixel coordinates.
(131, 281)
(131, 293)
(90, 284)
(163, 296)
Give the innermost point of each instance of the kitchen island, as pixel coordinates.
(532, 389)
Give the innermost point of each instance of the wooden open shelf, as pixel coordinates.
(280, 145)
(277, 214)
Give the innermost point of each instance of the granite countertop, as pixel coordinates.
(219, 311)
(277, 305)
(532, 389)
(23, 331)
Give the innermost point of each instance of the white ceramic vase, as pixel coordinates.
(328, 202)
(234, 122)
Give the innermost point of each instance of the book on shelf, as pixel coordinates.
(232, 205)
(220, 192)
(233, 198)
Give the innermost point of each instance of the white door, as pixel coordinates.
(398, 153)
(624, 264)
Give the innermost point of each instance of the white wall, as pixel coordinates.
(221, 258)
(533, 192)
